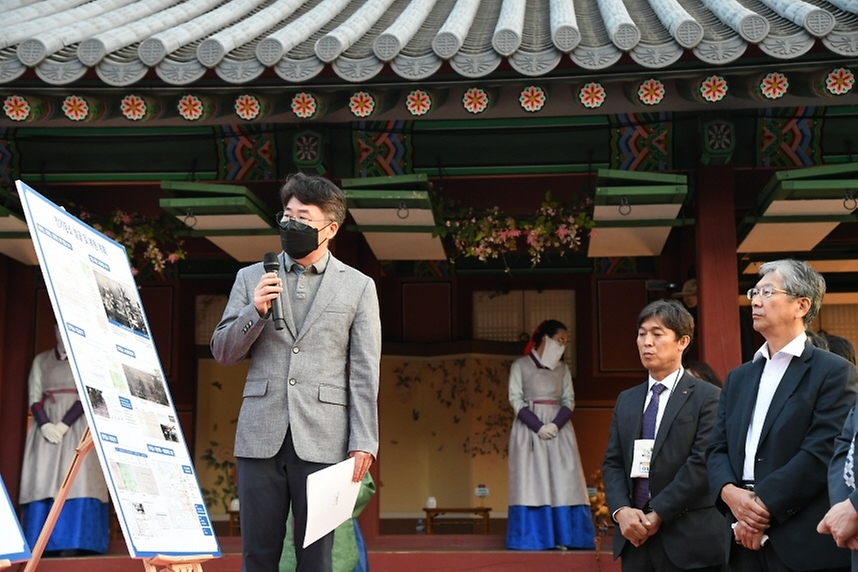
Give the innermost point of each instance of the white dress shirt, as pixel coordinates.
(773, 372)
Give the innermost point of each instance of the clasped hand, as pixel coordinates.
(54, 432)
(637, 527)
(841, 522)
(548, 431)
(752, 516)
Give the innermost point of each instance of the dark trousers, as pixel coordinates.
(651, 557)
(266, 490)
(764, 560)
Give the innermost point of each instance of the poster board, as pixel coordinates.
(121, 383)
(13, 545)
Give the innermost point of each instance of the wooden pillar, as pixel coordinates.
(17, 334)
(717, 273)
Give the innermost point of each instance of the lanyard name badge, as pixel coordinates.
(641, 458)
(642, 452)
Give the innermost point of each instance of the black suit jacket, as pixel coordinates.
(693, 529)
(838, 490)
(796, 445)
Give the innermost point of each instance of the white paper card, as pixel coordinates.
(641, 458)
(13, 545)
(331, 498)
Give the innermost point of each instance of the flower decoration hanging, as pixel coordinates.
(133, 107)
(475, 100)
(304, 105)
(362, 104)
(774, 85)
(840, 81)
(75, 108)
(16, 108)
(490, 233)
(651, 92)
(418, 102)
(190, 107)
(592, 95)
(532, 98)
(154, 244)
(247, 107)
(713, 88)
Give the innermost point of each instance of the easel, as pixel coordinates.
(171, 563)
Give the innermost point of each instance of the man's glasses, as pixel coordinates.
(282, 219)
(766, 292)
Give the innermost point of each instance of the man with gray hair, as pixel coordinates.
(774, 436)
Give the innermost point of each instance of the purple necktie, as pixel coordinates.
(641, 486)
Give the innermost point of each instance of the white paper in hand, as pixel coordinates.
(331, 497)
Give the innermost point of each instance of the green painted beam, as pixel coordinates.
(641, 195)
(419, 181)
(489, 170)
(642, 177)
(381, 199)
(111, 177)
(483, 124)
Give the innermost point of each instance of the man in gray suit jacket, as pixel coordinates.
(667, 521)
(311, 395)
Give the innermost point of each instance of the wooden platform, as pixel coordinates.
(393, 553)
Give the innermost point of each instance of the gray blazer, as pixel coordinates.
(322, 380)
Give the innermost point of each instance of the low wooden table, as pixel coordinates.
(479, 511)
(234, 523)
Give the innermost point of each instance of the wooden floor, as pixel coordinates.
(394, 553)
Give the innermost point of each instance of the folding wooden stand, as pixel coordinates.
(84, 447)
(176, 563)
(170, 563)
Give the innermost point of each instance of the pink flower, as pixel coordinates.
(475, 100)
(75, 108)
(133, 107)
(592, 95)
(651, 92)
(774, 85)
(713, 88)
(16, 108)
(418, 102)
(840, 81)
(190, 107)
(304, 105)
(247, 107)
(362, 104)
(532, 98)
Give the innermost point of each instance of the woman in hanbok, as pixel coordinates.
(55, 432)
(549, 506)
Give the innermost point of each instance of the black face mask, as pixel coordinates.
(299, 239)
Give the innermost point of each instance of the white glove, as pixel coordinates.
(548, 431)
(51, 433)
(61, 428)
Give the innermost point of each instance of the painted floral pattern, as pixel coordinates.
(362, 104)
(713, 88)
(304, 105)
(418, 102)
(840, 81)
(190, 107)
(774, 85)
(247, 107)
(532, 98)
(16, 108)
(75, 108)
(307, 148)
(651, 92)
(133, 107)
(592, 95)
(475, 100)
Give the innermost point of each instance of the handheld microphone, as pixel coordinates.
(271, 264)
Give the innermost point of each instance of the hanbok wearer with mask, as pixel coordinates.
(549, 506)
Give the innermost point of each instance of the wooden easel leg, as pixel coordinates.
(176, 563)
(84, 447)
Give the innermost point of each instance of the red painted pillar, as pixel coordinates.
(717, 269)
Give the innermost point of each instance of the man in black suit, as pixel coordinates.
(774, 436)
(667, 521)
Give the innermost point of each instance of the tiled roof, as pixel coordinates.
(122, 40)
